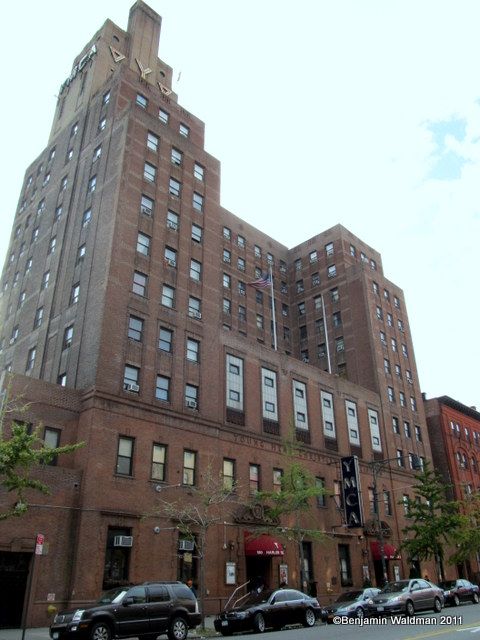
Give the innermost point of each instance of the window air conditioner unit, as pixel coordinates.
(12, 340)
(146, 210)
(132, 387)
(185, 545)
(123, 541)
(305, 359)
(172, 225)
(195, 314)
(191, 404)
(170, 262)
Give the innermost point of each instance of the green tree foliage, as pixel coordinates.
(22, 454)
(467, 538)
(434, 519)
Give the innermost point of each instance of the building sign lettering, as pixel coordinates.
(351, 492)
(79, 67)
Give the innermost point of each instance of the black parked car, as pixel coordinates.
(353, 604)
(143, 611)
(456, 591)
(275, 609)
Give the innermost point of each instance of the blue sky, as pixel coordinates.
(364, 113)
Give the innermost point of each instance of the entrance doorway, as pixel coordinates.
(259, 571)
(13, 582)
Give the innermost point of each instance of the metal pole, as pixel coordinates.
(379, 523)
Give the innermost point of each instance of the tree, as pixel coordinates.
(289, 507)
(21, 455)
(194, 512)
(467, 538)
(435, 520)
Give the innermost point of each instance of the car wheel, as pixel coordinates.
(360, 613)
(100, 631)
(437, 605)
(475, 598)
(308, 618)
(259, 623)
(455, 600)
(409, 608)
(178, 629)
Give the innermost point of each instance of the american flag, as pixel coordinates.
(262, 282)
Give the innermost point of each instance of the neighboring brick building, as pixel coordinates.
(127, 287)
(454, 431)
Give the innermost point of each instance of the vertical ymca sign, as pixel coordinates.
(352, 498)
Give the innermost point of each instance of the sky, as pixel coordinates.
(359, 112)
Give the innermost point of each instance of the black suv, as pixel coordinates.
(143, 611)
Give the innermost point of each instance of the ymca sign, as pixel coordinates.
(352, 498)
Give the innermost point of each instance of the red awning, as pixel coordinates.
(389, 551)
(263, 545)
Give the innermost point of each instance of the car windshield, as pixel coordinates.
(113, 596)
(348, 596)
(393, 587)
(447, 584)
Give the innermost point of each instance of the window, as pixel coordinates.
(386, 365)
(149, 172)
(34, 239)
(163, 116)
(131, 377)
(298, 264)
(259, 321)
(241, 241)
(400, 325)
(102, 124)
(135, 328)
(393, 342)
(372, 501)
(228, 474)
(67, 337)
(418, 433)
(391, 394)
(375, 288)
(277, 480)
(193, 350)
(395, 425)
(174, 187)
(258, 297)
(198, 171)
(51, 439)
(196, 233)
(31, 359)
(183, 130)
(92, 184)
(285, 310)
(172, 220)
(194, 308)
(283, 287)
(313, 257)
(170, 257)
(408, 375)
(241, 264)
(162, 388)
(51, 155)
(22, 298)
(413, 403)
(400, 461)
(254, 478)
(389, 319)
(195, 270)
(227, 256)
(387, 502)
(140, 281)
(46, 179)
(226, 281)
(197, 201)
(379, 312)
(383, 338)
(168, 296)
(406, 429)
(191, 396)
(329, 249)
(227, 306)
(398, 371)
(396, 302)
(331, 271)
(51, 245)
(143, 244)
(81, 253)
(37, 321)
(45, 280)
(97, 153)
(146, 205)
(152, 141)
(339, 344)
(242, 289)
(242, 313)
(87, 216)
(159, 456)
(334, 295)
(301, 308)
(125, 456)
(234, 378)
(74, 130)
(176, 157)
(63, 184)
(345, 565)
(406, 504)
(321, 498)
(227, 234)
(189, 460)
(404, 350)
(315, 279)
(401, 396)
(141, 101)
(270, 259)
(299, 286)
(165, 340)
(299, 390)
(337, 319)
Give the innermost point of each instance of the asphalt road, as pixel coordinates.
(457, 623)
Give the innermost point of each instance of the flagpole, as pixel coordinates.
(273, 309)
(326, 336)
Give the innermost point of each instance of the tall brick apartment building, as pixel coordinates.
(129, 323)
(454, 430)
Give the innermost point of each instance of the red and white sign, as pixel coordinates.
(39, 542)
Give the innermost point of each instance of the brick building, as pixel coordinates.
(127, 287)
(454, 431)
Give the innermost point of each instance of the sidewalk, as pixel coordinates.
(41, 633)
